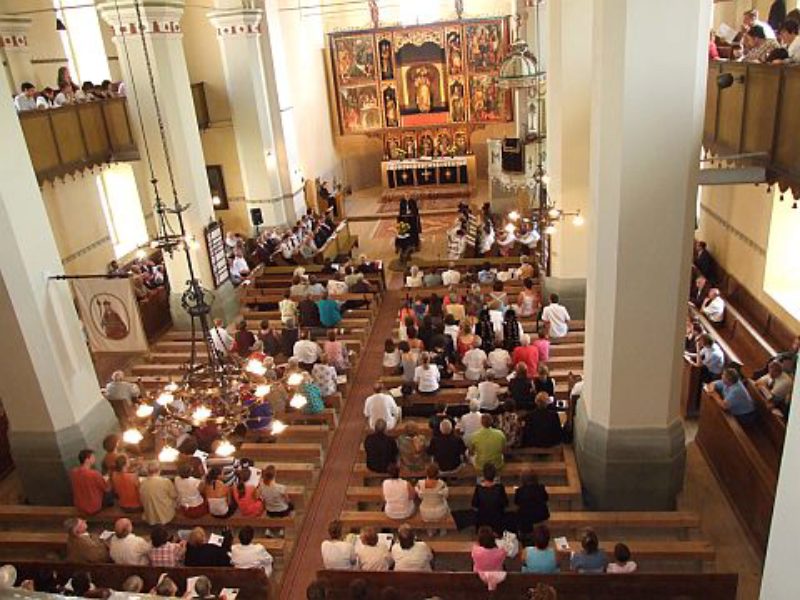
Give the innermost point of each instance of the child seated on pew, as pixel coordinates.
(622, 561)
(391, 357)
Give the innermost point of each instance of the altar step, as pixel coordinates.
(430, 192)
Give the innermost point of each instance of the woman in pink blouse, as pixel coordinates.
(486, 556)
(336, 353)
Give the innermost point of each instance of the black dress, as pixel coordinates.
(546, 386)
(490, 504)
(531, 501)
(207, 555)
(542, 429)
(521, 393)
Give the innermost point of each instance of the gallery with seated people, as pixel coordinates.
(371, 299)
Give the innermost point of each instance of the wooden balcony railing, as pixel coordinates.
(757, 113)
(72, 138)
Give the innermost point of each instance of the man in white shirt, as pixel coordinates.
(336, 286)
(713, 307)
(247, 555)
(222, 340)
(710, 358)
(381, 405)
(470, 422)
(26, 100)
(451, 276)
(790, 40)
(557, 316)
(414, 279)
(474, 361)
(487, 395)
(239, 268)
(499, 360)
(306, 350)
(126, 548)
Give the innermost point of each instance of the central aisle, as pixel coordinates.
(328, 498)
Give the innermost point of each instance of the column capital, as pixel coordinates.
(237, 21)
(14, 32)
(159, 17)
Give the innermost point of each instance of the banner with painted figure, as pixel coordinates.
(110, 315)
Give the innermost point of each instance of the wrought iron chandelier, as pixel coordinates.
(222, 390)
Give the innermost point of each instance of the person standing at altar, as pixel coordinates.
(415, 222)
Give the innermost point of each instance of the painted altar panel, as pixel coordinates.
(437, 80)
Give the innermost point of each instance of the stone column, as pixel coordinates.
(14, 50)
(646, 127)
(47, 381)
(239, 32)
(779, 581)
(162, 34)
(569, 83)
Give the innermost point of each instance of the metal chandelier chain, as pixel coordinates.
(135, 93)
(162, 132)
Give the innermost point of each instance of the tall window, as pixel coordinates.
(83, 41)
(122, 208)
(782, 274)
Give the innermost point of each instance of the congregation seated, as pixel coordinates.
(297, 244)
(68, 93)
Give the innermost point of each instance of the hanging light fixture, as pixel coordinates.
(221, 389)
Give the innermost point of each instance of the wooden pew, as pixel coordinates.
(560, 522)
(563, 494)
(56, 542)
(15, 514)
(252, 584)
(672, 550)
(286, 452)
(742, 472)
(543, 469)
(570, 586)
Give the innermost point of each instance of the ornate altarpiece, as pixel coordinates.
(422, 88)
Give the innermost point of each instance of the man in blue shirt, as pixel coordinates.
(732, 395)
(329, 312)
(710, 358)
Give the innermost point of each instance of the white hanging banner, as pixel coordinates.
(110, 314)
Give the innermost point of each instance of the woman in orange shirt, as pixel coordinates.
(125, 485)
(249, 504)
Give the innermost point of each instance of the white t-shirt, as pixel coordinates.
(251, 556)
(628, 567)
(130, 550)
(23, 103)
(451, 277)
(427, 380)
(474, 361)
(395, 494)
(306, 351)
(794, 50)
(487, 392)
(414, 282)
(188, 491)
(498, 362)
(715, 310)
(336, 287)
(391, 360)
(416, 558)
(558, 317)
(337, 554)
(469, 424)
(239, 267)
(222, 340)
(381, 406)
(374, 558)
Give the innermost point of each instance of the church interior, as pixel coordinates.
(370, 299)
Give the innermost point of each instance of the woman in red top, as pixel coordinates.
(126, 486)
(249, 504)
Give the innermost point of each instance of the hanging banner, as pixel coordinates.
(110, 315)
